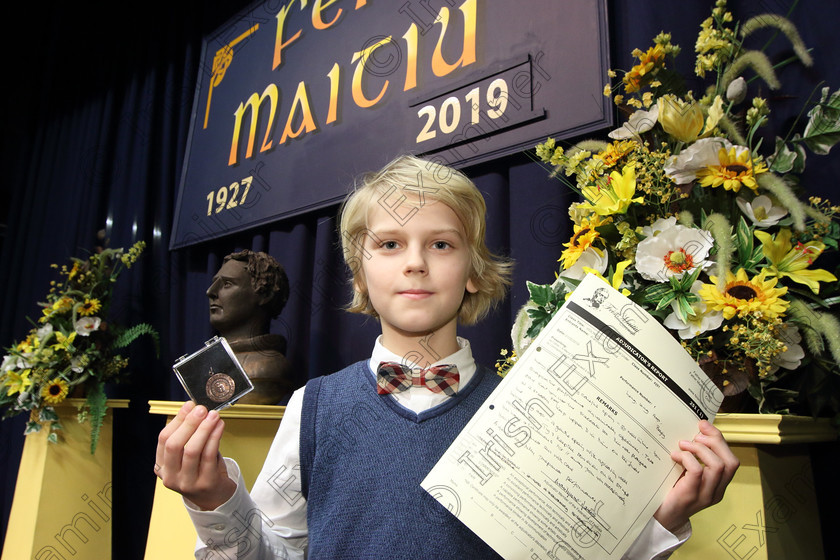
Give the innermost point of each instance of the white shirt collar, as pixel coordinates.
(462, 358)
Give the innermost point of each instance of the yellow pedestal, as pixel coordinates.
(62, 503)
(249, 431)
(770, 508)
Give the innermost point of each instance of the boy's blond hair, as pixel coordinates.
(422, 181)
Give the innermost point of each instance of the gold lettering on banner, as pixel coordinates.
(279, 44)
(411, 58)
(254, 103)
(307, 122)
(301, 117)
(317, 20)
(362, 58)
(439, 66)
(334, 75)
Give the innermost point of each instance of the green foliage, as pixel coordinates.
(97, 409)
(823, 129)
(126, 337)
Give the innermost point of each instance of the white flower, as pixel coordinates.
(674, 252)
(761, 211)
(13, 362)
(639, 122)
(87, 325)
(660, 225)
(590, 258)
(683, 168)
(75, 364)
(45, 332)
(9, 362)
(521, 325)
(792, 357)
(697, 323)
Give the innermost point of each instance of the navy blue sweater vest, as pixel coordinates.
(363, 457)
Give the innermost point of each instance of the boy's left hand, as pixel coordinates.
(709, 467)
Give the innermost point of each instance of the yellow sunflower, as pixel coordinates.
(55, 391)
(89, 307)
(583, 238)
(742, 296)
(733, 171)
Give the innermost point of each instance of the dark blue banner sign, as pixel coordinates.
(297, 97)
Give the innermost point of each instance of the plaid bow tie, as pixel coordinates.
(393, 377)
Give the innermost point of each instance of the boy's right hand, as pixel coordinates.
(188, 461)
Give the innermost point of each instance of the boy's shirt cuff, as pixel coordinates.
(213, 525)
(656, 542)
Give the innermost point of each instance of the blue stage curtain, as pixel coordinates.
(95, 118)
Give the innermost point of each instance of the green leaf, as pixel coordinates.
(688, 280)
(656, 292)
(48, 414)
(745, 242)
(541, 294)
(31, 428)
(823, 128)
(784, 158)
(666, 300)
(540, 318)
(799, 164)
(684, 308)
(52, 438)
(756, 257)
(676, 285)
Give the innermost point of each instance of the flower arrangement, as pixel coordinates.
(71, 348)
(693, 217)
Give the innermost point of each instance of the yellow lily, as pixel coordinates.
(18, 382)
(615, 196)
(64, 341)
(793, 262)
(617, 277)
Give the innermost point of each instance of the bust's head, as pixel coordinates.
(250, 289)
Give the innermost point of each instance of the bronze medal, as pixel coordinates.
(220, 387)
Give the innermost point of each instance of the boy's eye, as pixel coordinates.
(441, 245)
(389, 245)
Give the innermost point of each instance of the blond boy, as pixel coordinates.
(342, 478)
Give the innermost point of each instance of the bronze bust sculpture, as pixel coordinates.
(251, 289)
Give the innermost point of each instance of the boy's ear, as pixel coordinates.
(359, 284)
(471, 287)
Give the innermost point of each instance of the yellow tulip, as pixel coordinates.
(681, 119)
